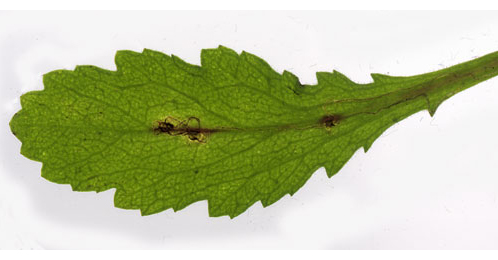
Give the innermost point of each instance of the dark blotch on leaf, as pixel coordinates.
(330, 120)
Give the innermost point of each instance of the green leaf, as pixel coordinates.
(165, 133)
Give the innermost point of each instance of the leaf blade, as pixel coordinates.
(232, 131)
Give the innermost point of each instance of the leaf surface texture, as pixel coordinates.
(166, 134)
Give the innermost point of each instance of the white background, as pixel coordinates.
(426, 183)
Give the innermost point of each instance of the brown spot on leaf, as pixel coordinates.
(330, 120)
